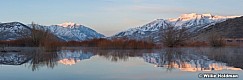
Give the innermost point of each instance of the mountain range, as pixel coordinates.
(195, 23)
(66, 31)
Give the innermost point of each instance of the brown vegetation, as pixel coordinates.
(112, 44)
(197, 44)
(100, 43)
(215, 39)
(172, 37)
(38, 37)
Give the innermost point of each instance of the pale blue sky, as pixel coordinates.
(110, 16)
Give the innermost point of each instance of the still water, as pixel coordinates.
(98, 64)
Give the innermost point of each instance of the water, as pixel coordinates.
(97, 64)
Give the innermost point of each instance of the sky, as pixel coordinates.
(110, 16)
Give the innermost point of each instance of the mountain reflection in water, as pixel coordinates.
(70, 57)
(184, 59)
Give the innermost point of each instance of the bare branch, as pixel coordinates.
(172, 36)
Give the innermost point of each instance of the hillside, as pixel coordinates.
(231, 28)
(66, 31)
(151, 31)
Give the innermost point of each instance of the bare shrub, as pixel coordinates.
(216, 40)
(40, 37)
(172, 36)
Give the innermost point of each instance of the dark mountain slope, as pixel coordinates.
(231, 28)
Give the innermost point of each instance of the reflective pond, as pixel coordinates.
(99, 64)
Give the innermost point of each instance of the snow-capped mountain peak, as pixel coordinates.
(69, 31)
(208, 14)
(186, 17)
(68, 24)
(191, 16)
(65, 32)
(193, 22)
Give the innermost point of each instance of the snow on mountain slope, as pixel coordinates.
(194, 22)
(13, 30)
(68, 24)
(153, 26)
(71, 31)
(66, 31)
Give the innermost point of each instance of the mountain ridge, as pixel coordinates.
(194, 22)
(68, 32)
(231, 28)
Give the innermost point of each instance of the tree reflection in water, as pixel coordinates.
(185, 59)
(119, 55)
(42, 58)
(232, 56)
(170, 58)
